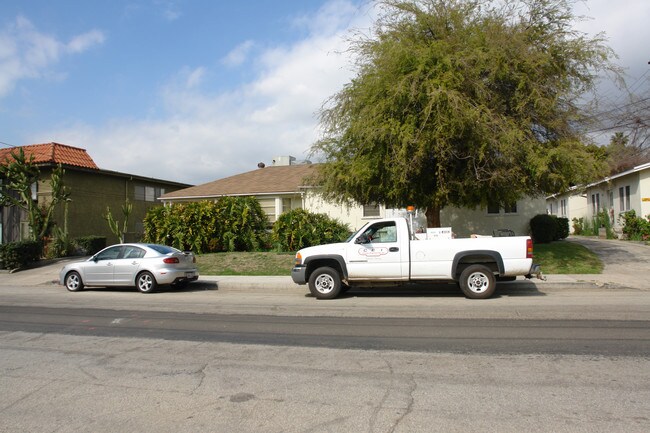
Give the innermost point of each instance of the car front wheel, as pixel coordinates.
(73, 282)
(325, 283)
(146, 282)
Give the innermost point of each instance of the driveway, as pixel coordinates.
(627, 264)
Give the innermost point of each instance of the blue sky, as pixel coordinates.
(196, 90)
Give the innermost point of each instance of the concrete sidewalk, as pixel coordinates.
(627, 265)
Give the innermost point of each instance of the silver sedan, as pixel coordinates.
(144, 266)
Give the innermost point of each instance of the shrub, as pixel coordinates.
(230, 224)
(18, 254)
(299, 229)
(562, 228)
(636, 229)
(543, 228)
(89, 245)
(578, 226)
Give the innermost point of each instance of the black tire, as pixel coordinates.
(477, 282)
(145, 282)
(73, 282)
(325, 283)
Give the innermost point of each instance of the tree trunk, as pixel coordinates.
(433, 216)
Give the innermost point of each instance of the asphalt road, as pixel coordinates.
(215, 360)
(490, 336)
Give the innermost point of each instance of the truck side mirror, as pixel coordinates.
(363, 239)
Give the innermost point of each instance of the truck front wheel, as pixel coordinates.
(477, 282)
(325, 283)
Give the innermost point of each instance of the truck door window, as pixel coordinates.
(383, 232)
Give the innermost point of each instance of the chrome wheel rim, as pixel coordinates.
(478, 282)
(145, 282)
(324, 284)
(72, 282)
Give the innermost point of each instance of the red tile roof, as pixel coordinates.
(53, 153)
(268, 180)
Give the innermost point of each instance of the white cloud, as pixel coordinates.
(203, 137)
(26, 53)
(238, 55)
(82, 42)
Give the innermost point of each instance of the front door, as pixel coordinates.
(99, 270)
(376, 253)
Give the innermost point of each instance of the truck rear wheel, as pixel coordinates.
(477, 282)
(325, 283)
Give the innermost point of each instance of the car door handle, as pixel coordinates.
(393, 249)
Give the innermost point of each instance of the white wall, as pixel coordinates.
(644, 189)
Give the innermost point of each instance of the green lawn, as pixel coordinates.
(237, 263)
(564, 257)
(555, 258)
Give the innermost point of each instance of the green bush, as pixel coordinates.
(230, 224)
(299, 229)
(636, 229)
(578, 226)
(15, 255)
(562, 228)
(89, 245)
(543, 228)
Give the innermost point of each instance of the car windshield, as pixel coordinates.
(163, 249)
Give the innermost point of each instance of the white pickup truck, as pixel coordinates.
(385, 252)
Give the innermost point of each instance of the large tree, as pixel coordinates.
(461, 102)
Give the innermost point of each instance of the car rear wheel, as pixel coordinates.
(146, 282)
(477, 282)
(73, 282)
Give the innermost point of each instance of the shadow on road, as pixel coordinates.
(442, 290)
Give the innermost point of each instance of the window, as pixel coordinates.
(493, 209)
(563, 210)
(147, 193)
(371, 211)
(34, 189)
(133, 252)
(268, 206)
(286, 205)
(110, 253)
(510, 208)
(595, 203)
(624, 198)
(383, 232)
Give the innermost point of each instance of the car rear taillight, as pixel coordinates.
(169, 260)
(529, 248)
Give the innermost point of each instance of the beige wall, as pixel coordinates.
(465, 222)
(350, 215)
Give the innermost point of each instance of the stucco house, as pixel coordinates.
(622, 192)
(284, 185)
(91, 190)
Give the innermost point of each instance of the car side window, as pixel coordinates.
(133, 253)
(110, 253)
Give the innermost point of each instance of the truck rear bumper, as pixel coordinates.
(298, 274)
(536, 270)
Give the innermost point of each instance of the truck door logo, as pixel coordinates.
(373, 252)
